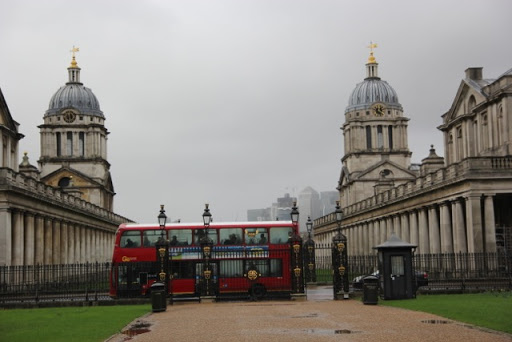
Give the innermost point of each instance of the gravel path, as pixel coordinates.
(317, 319)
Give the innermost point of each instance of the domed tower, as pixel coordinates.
(376, 156)
(74, 143)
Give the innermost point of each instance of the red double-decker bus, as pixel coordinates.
(250, 258)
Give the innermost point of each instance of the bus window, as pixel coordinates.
(231, 268)
(276, 267)
(150, 237)
(230, 236)
(130, 239)
(255, 236)
(181, 237)
(199, 233)
(260, 265)
(280, 235)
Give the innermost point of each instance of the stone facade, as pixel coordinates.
(461, 204)
(63, 213)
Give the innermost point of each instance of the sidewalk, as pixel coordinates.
(317, 319)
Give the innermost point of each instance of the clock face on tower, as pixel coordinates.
(69, 116)
(378, 109)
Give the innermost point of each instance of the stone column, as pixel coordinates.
(383, 230)
(371, 235)
(5, 235)
(82, 244)
(474, 224)
(413, 225)
(71, 242)
(64, 243)
(459, 234)
(56, 242)
(39, 240)
(404, 225)
(18, 238)
(490, 224)
(396, 225)
(433, 230)
(424, 247)
(376, 233)
(445, 228)
(390, 228)
(29, 238)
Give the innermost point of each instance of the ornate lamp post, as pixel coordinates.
(309, 254)
(162, 252)
(207, 289)
(339, 259)
(296, 254)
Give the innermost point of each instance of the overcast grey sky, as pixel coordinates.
(235, 102)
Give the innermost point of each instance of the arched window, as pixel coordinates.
(471, 103)
(81, 144)
(58, 142)
(69, 143)
(368, 137)
(380, 141)
(390, 137)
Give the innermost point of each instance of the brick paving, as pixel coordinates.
(319, 318)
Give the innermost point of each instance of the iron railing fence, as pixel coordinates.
(62, 282)
(456, 272)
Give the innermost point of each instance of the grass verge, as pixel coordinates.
(94, 323)
(489, 310)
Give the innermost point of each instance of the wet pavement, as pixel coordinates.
(319, 318)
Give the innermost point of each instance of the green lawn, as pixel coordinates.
(94, 323)
(490, 310)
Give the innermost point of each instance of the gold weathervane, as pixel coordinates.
(73, 62)
(372, 46)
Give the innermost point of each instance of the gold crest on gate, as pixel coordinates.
(207, 251)
(297, 271)
(341, 269)
(341, 246)
(162, 276)
(207, 274)
(252, 275)
(296, 248)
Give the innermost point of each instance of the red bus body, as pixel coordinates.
(237, 247)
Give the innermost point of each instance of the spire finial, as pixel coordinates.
(73, 61)
(372, 46)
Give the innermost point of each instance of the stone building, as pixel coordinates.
(460, 203)
(62, 212)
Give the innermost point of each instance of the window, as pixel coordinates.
(81, 143)
(390, 137)
(58, 142)
(181, 237)
(130, 239)
(397, 265)
(150, 237)
(231, 268)
(69, 144)
(64, 182)
(368, 137)
(280, 235)
(380, 142)
(200, 233)
(255, 236)
(230, 236)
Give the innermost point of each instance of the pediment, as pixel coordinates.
(5, 116)
(79, 179)
(385, 170)
(461, 103)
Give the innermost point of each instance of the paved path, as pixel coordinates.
(317, 319)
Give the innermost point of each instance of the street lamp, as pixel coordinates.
(294, 214)
(162, 220)
(206, 247)
(339, 215)
(309, 226)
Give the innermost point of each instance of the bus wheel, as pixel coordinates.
(257, 291)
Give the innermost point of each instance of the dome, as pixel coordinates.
(373, 90)
(74, 95)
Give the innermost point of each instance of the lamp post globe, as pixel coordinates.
(162, 219)
(294, 214)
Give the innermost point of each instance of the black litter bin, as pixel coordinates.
(158, 297)
(370, 290)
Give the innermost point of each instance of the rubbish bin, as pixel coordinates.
(158, 297)
(370, 290)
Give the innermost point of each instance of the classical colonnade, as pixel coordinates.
(38, 239)
(463, 224)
